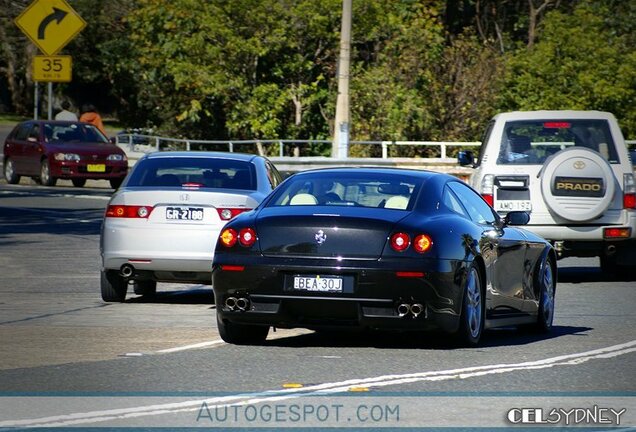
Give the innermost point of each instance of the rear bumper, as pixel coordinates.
(372, 303)
(589, 232)
(158, 248)
(69, 170)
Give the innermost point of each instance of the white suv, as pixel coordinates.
(571, 171)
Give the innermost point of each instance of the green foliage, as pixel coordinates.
(266, 69)
(582, 60)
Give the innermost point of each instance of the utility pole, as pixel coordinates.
(340, 145)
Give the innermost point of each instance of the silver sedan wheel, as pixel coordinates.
(473, 308)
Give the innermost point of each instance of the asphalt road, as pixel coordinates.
(161, 363)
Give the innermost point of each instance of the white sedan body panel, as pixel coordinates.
(160, 243)
(162, 224)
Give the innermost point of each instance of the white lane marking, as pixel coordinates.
(193, 346)
(320, 389)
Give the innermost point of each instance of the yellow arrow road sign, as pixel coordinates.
(52, 69)
(50, 24)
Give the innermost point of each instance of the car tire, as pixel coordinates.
(145, 287)
(547, 289)
(80, 182)
(114, 286)
(45, 174)
(472, 317)
(241, 334)
(115, 183)
(9, 172)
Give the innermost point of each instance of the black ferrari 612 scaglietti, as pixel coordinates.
(380, 249)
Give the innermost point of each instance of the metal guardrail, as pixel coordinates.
(148, 143)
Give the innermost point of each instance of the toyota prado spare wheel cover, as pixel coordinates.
(577, 184)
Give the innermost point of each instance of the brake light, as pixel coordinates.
(488, 188)
(127, 211)
(610, 233)
(228, 237)
(629, 191)
(400, 241)
(247, 237)
(557, 125)
(229, 213)
(422, 243)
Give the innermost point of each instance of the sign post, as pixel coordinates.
(51, 25)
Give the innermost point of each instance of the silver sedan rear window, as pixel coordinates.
(214, 173)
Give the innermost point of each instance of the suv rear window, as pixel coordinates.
(531, 142)
(200, 172)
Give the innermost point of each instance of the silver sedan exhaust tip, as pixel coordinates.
(127, 270)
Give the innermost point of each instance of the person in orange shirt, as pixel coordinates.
(90, 115)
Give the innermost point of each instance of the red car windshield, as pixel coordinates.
(73, 132)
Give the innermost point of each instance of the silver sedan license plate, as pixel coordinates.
(184, 213)
(318, 283)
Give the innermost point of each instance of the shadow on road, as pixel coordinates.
(188, 296)
(57, 221)
(591, 274)
(386, 340)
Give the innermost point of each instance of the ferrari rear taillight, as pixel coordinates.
(230, 212)
(229, 237)
(488, 188)
(400, 241)
(422, 243)
(629, 191)
(247, 237)
(128, 211)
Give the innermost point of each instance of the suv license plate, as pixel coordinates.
(513, 205)
(184, 213)
(318, 283)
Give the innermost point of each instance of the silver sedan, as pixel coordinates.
(162, 224)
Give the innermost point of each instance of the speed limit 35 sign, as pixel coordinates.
(52, 68)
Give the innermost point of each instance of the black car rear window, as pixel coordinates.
(199, 172)
(357, 189)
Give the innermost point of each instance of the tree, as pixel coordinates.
(582, 60)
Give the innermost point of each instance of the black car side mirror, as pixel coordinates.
(465, 158)
(516, 218)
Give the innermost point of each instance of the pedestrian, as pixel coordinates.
(65, 114)
(90, 115)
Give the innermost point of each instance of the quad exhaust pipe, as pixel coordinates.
(237, 304)
(403, 309)
(415, 309)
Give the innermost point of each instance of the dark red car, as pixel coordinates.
(51, 150)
